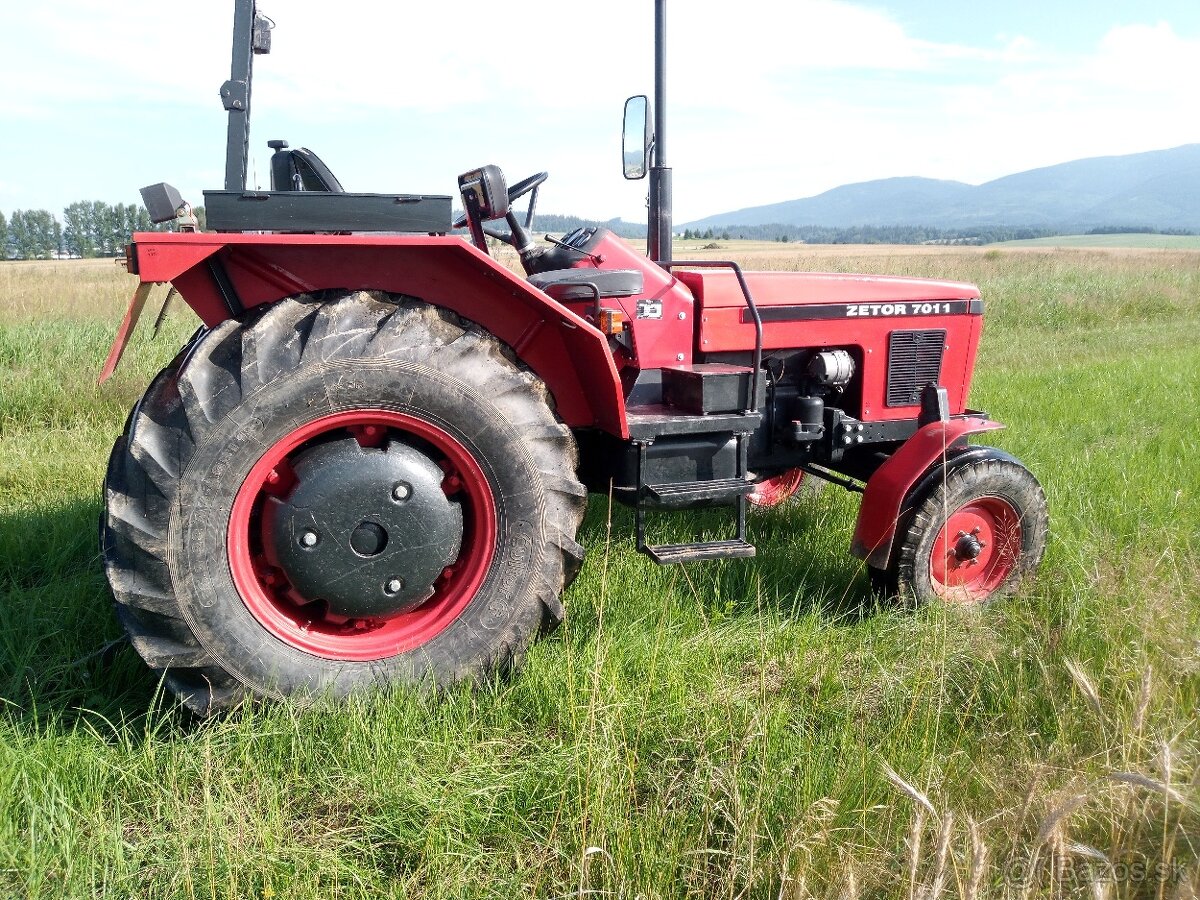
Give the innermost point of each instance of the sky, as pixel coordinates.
(768, 101)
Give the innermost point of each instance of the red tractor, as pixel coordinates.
(369, 464)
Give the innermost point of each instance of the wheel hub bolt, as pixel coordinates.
(394, 586)
(402, 491)
(309, 539)
(967, 547)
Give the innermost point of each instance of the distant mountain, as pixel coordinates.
(1158, 189)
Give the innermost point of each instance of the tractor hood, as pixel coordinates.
(715, 289)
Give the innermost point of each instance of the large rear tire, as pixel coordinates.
(973, 536)
(337, 496)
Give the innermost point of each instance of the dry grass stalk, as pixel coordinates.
(1056, 816)
(1101, 886)
(1151, 784)
(1085, 686)
(943, 852)
(978, 862)
(1143, 704)
(1051, 832)
(907, 788)
(850, 889)
(799, 887)
(915, 831)
(1026, 802)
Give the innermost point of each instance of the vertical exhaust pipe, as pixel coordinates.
(658, 223)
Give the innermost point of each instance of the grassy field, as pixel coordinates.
(1132, 241)
(742, 729)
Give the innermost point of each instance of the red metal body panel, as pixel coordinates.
(872, 302)
(567, 352)
(657, 342)
(132, 314)
(887, 488)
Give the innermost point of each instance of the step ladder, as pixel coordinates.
(717, 491)
(646, 424)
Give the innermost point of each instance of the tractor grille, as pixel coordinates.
(914, 360)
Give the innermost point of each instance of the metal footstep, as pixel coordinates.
(695, 491)
(670, 554)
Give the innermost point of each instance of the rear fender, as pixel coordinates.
(221, 276)
(883, 503)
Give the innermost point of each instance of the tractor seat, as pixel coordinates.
(576, 284)
(300, 170)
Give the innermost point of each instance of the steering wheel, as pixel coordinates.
(519, 235)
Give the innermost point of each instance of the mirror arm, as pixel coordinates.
(475, 221)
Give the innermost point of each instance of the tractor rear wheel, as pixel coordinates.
(337, 496)
(976, 533)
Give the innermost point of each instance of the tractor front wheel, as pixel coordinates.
(973, 536)
(336, 496)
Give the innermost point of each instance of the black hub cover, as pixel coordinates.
(968, 547)
(367, 531)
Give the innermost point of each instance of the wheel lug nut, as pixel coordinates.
(309, 538)
(402, 491)
(393, 586)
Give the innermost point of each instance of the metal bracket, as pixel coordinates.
(935, 405)
(235, 95)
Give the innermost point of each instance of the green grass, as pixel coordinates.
(1134, 241)
(715, 731)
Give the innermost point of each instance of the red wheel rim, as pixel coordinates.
(265, 595)
(774, 490)
(976, 551)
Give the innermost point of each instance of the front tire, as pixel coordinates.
(974, 535)
(337, 496)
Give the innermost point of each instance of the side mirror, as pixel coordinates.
(484, 193)
(636, 138)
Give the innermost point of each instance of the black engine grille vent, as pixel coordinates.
(914, 360)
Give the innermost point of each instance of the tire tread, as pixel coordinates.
(209, 379)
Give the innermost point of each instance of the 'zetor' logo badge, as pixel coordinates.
(897, 309)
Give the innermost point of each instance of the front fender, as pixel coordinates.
(883, 500)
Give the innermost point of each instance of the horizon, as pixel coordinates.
(700, 221)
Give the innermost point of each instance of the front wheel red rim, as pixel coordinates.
(299, 621)
(976, 551)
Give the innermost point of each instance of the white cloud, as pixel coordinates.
(770, 100)
(1022, 107)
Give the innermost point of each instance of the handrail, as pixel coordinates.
(752, 399)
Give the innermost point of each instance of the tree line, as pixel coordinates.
(88, 228)
(94, 228)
